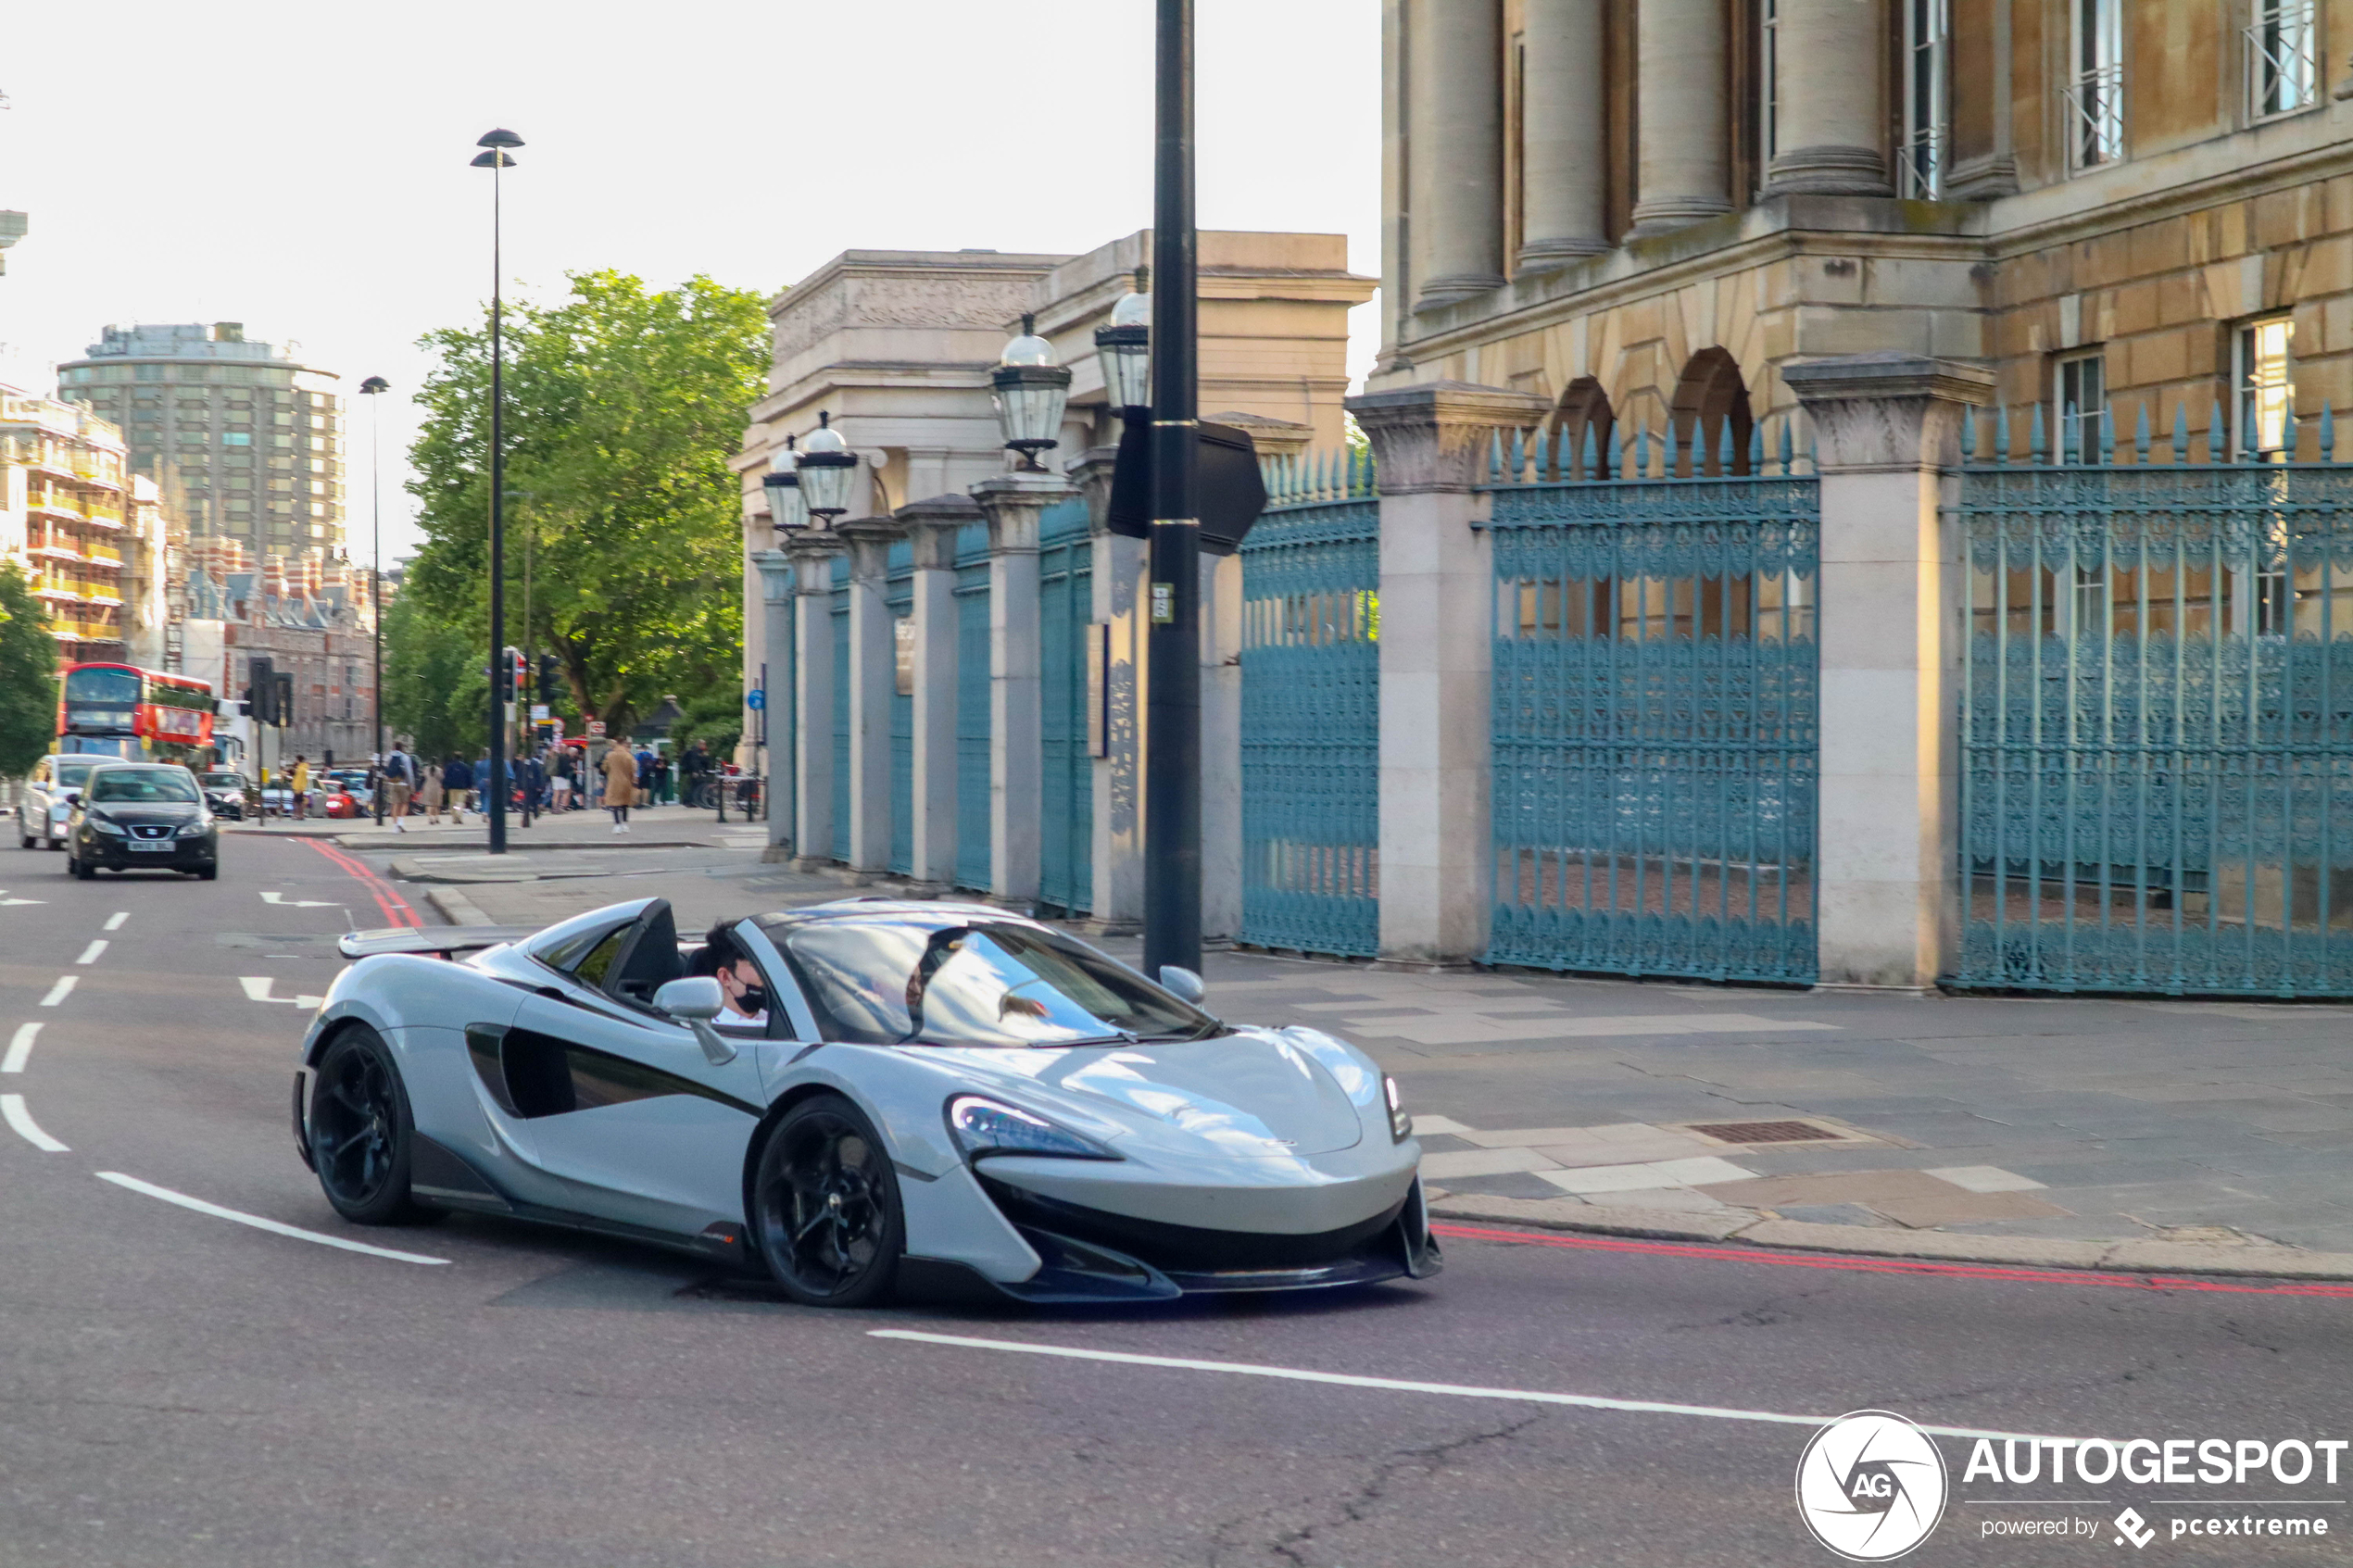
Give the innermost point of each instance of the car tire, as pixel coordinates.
(824, 1212)
(209, 873)
(79, 869)
(24, 841)
(361, 1133)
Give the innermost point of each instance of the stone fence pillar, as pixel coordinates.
(1892, 635)
(873, 673)
(932, 527)
(783, 712)
(1437, 590)
(1012, 503)
(1115, 580)
(812, 562)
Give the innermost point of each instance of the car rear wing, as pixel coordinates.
(444, 941)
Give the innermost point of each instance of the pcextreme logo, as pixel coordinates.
(1870, 1485)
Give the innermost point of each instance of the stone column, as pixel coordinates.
(932, 527)
(1680, 90)
(874, 678)
(812, 562)
(1455, 106)
(1116, 579)
(1564, 135)
(1832, 122)
(783, 712)
(1892, 634)
(1437, 626)
(1011, 503)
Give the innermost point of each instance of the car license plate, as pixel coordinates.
(153, 846)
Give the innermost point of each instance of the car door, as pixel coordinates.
(623, 1106)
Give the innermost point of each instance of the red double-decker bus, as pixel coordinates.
(139, 715)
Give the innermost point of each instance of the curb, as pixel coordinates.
(455, 907)
(2134, 1257)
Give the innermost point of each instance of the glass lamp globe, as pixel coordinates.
(1125, 349)
(1029, 390)
(826, 469)
(787, 508)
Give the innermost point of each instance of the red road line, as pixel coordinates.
(1888, 1265)
(396, 909)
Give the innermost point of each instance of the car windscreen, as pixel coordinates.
(224, 781)
(73, 775)
(144, 784)
(897, 982)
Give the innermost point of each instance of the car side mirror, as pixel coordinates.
(1182, 984)
(695, 1001)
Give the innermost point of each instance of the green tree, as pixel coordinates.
(623, 404)
(28, 676)
(435, 688)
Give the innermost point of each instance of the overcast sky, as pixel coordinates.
(302, 167)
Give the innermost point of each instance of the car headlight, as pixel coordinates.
(102, 825)
(987, 1126)
(60, 811)
(195, 830)
(1401, 1126)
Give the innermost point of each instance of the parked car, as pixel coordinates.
(142, 816)
(42, 807)
(352, 781)
(224, 791)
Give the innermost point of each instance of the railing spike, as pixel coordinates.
(2328, 432)
(1616, 453)
(1724, 449)
(2181, 432)
(1590, 467)
(1642, 448)
(1968, 435)
(2218, 443)
(1666, 445)
(2107, 434)
(2036, 451)
(2001, 432)
(1559, 453)
(1519, 457)
(2141, 436)
(1757, 451)
(1789, 456)
(1495, 458)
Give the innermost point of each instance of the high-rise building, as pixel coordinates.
(246, 442)
(94, 544)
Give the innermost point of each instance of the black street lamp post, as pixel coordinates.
(494, 158)
(373, 386)
(1172, 784)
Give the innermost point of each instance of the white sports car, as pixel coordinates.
(843, 1093)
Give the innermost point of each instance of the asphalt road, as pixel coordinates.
(180, 1388)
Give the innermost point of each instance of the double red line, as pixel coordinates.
(396, 909)
(1890, 1265)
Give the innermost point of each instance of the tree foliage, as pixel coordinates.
(622, 406)
(435, 693)
(28, 676)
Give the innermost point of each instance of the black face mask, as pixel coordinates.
(754, 1001)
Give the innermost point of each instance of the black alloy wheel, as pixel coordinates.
(824, 1206)
(77, 868)
(360, 1132)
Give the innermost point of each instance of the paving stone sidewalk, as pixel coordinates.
(2058, 1123)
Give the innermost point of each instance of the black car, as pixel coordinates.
(224, 791)
(149, 816)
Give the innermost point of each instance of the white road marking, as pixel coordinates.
(20, 1047)
(1403, 1385)
(7, 901)
(114, 921)
(90, 954)
(258, 1223)
(59, 992)
(12, 1109)
(284, 902)
(258, 990)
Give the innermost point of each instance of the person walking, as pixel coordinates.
(430, 790)
(559, 780)
(301, 801)
(400, 780)
(692, 766)
(662, 778)
(621, 785)
(458, 778)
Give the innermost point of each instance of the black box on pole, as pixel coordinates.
(1230, 490)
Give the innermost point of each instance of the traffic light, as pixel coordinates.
(510, 674)
(550, 678)
(261, 694)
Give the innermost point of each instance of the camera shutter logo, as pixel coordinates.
(1871, 1486)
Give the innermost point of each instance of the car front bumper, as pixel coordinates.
(184, 855)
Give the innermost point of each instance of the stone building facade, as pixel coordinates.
(310, 617)
(1643, 212)
(93, 540)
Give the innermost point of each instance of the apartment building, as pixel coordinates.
(65, 521)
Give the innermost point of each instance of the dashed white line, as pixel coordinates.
(59, 992)
(1403, 1386)
(114, 921)
(20, 1047)
(258, 1223)
(13, 1112)
(90, 954)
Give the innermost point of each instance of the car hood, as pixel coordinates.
(1254, 1093)
(131, 815)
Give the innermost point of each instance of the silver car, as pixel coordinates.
(42, 807)
(843, 1095)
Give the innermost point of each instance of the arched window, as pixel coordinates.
(1710, 400)
(1583, 409)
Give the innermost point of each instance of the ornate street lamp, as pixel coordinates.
(788, 508)
(826, 468)
(494, 158)
(1029, 390)
(1125, 349)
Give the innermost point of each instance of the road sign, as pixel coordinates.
(539, 712)
(596, 726)
(755, 699)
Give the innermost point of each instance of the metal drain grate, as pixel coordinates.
(1766, 1132)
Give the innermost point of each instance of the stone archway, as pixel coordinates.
(1710, 400)
(1583, 409)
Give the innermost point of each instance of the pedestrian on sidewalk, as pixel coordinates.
(662, 778)
(301, 801)
(559, 780)
(692, 766)
(458, 778)
(430, 789)
(400, 779)
(621, 785)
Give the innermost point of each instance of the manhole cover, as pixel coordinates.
(1766, 1132)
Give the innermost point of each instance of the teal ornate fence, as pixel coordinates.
(2156, 791)
(1311, 711)
(1654, 703)
(1066, 814)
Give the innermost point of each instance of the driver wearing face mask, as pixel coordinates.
(745, 993)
